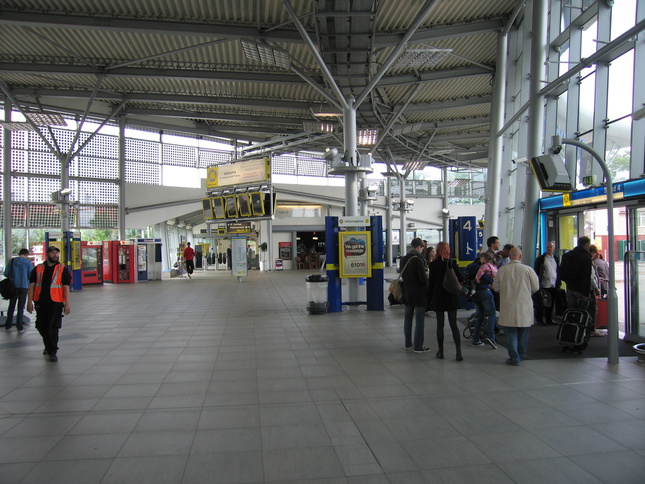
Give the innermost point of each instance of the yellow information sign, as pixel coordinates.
(355, 254)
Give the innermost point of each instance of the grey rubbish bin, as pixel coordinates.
(317, 293)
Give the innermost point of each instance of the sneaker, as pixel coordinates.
(53, 358)
(422, 350)
(23, 330)
(509, 362)
(491, 343)
(476, 343)
(408, 348)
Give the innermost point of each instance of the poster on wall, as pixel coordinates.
(355, 254)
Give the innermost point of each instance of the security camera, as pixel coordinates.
(519, 160)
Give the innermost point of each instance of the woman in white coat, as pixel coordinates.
(516, 283)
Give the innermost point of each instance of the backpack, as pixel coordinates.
(7, 287)
(469, 287)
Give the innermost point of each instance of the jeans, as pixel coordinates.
(419, 313)
(17, 303)
(517, 339)
(485, 304)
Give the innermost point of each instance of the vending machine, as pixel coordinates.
(149, 266)
(91, 262)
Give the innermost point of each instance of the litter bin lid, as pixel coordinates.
(316, 278)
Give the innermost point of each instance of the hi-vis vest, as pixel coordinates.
(56, 289)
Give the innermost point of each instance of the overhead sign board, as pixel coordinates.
(238, 173)
(239, 227)
(354, 221)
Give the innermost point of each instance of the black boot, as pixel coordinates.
(459, 357)
(440, 354)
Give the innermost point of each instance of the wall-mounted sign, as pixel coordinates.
(238, 173)
(355, 254)
(353, 221)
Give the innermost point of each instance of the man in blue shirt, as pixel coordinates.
(18, 268)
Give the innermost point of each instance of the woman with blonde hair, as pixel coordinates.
(441, 300)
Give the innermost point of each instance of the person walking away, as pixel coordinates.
(49, 294)
(516, 284)
(546, 267)
(484, 300)
(18, 268)
(189, 256)
(576, 271)
(415, 280)
(441, 300)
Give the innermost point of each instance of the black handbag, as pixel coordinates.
(544, 298)
(450, 282)
(7, 287)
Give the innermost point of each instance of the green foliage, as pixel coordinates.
(619, 165)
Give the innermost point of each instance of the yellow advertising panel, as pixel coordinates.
(238, 173)
(76, 255)
(355, 254)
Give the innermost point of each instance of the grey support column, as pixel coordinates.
(493, 182)
(6, 181)
(351, 177)
(122, 200)
(536, 128)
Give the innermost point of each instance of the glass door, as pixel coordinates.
(635, 277)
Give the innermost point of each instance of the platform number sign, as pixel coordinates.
(467, 239)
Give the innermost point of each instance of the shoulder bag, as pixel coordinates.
(450, 282)
(396, 286)
(7, 287)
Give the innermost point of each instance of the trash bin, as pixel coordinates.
(317, 293)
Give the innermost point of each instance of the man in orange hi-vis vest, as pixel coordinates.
(49, 291)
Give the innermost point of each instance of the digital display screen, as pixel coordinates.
(218, 207)
(230, 206)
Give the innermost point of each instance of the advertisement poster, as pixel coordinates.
(355, 254)
(238, 257)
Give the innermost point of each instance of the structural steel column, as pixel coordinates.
(121, 178)
(536, 127)
(6, 181)
(495, 143)
(351, 177)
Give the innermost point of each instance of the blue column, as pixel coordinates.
(334, 288)
(375, 300)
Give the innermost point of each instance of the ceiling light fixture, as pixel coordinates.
(415, 165)
(45, 119)
(367, 137)
(318, 126)
(262, 52)
(418, 58)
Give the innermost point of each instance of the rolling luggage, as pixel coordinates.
(574, 331)
(601, 315)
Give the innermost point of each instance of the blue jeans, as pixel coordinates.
(419, 313)
(485, 304)
(18, 304)
(517, 340)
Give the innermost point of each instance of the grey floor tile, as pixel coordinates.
(106, 423)
(484, 474)
(224, 468)
(226, 440)
(628, 433)
(577, 440)
(77, 447)
(87, 471)
(301, 464)
(171, 442)
(43, 426)
(167, 469)
(558, 470)
(449, 452)
(623, 467)
(294, 436)
(512, 446)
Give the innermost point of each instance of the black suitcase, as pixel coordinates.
(574, 331)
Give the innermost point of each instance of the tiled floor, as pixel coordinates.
(212, 380)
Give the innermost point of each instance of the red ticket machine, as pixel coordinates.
(91, 262)
(119, 261)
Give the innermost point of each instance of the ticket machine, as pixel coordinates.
(148, 253)
(91, 262)
(119, 261)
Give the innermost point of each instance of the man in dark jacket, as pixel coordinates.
(415, 280)
(575, 270)
(546, 267)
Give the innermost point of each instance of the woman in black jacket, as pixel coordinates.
(441, 300)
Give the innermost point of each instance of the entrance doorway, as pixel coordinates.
(310, 249)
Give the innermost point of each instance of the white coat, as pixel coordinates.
(515, 283)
